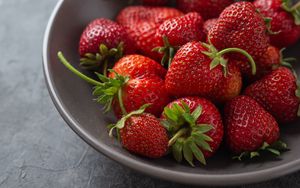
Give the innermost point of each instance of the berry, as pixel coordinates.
(285, 28)
(101, 41)
(278, 93)
(249, 128)
(240, 26)
(196, 128)
(207, 9)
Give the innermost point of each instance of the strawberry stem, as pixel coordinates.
(179, 134)
(105, 66)
(75, 71)
(243, 52)
(296, 6)
(121, 103)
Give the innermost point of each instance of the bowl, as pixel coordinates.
(73, 99)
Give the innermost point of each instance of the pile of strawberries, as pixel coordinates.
(184, 80)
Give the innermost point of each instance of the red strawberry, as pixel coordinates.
(240, 26)
(282, 21)
(198, 69)
(142, 134)
(102, 40)
(207, 9)
(138, 66)
(130, 94)
(230, 86)
(209, 24)
(196, 127)
(141, 24)
(264, 64)
(278, 94)
(132, 15)
(155, 2)
(249, 128)
(179, 31)
(137, 92)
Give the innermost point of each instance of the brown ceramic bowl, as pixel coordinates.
(74, 101)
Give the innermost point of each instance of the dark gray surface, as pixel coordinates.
(37, 149)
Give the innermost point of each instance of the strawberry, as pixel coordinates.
(270, 60)
(264, 64)
(137, 92)
(196, 128)
(101, 41)
(138, 66)
(207, 9)
(240, 26)
(134, 15)
(198, 69)
(250, 129)
(142, 134)
(125, 94)
(278, 94)
(285, 21)
(155, 2)
(178, 31)
(209, 24)
(141, 24)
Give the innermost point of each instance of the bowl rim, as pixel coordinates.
(161, 173)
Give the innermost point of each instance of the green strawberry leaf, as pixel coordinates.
(204, 128)
(201, 143)
(189, 118)
(187, 152)
(274, 149)
(197, 112)
(177, 149)
(197, 153)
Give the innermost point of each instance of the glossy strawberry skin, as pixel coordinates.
(132, 15)
(155, 2)
(141, 24)
(276, 93)
(138, 92)
(281, 21)
(104, 31)
(138, 66)
(230, 86)
(181, 30)
(144, 135)
(240, 26)
(209, 24)
(207, 9)
(210, 115)
(190, 74)
(248, 125)
(264, 64)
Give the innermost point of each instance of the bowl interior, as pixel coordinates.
(74, 100)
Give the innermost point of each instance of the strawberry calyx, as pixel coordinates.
(167, 50)
(121, 123)
(285, 61)
(268, 21)
(288, 6)
(106, 90)
(218, 58)
(275, 149)
(92, 61)
(189, 139)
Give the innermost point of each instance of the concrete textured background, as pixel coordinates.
(37, 149)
